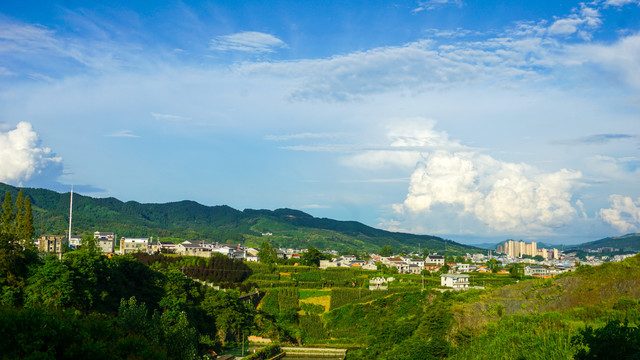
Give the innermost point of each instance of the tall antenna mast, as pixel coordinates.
(70, 218)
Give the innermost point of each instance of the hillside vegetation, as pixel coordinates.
(188, 220)
(626, 242)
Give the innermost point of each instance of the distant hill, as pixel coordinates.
(624, 243)
(189, 220)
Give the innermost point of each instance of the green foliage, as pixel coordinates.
(312, 257)
(613, 341)
(288, 299)
(265, 353)
(217, 269)
(8, 215)
(344, 296)
(267, 254)
(43, 334)
(312, 309)
(535, 337)
(312, 327)
(51, 285)
(230, 314)
(16, 219)
(386, 251)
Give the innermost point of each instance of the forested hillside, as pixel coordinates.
(626, 242)
(189, 220)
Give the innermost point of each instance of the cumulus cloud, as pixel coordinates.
(582, 22)
(505, 196)
(248, 41)
(624, 213)
(21, 155)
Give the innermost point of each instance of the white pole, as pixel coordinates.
(70, 217)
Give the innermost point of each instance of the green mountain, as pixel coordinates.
(625, 242)
(189, 220)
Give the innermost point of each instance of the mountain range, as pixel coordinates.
(189, 220)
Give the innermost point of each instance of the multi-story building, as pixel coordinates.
(106, 241)
(130, 245)
(52, 243)
(455, 281)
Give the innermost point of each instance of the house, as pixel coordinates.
(455, 281)
(188, 248)
(378, 283)
(251, 258)
(52, 243)
(370, 265)
(462, 268)
(108, 235)
(131, 245)
(414, 269)
(397, 263)
(106, 241)
(416, 262)
(538, 271)
(75, 241)
(434, 260)
(106, 245)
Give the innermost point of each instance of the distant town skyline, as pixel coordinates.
(413, 116)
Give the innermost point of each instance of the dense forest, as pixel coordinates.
(188, 220)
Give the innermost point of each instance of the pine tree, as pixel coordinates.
(8, 214)
(19, 217)
(28, 231)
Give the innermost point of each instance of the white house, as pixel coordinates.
(535, 271)
(455, 281)
(434, 260)
(75, 241)
(130, 245)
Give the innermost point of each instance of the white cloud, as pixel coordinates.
(624, 213)
(621, 2)
(314, 206)
(170, 117)
(21, 156)
(301, 136)
(582, 22)
(621, 58)
(248, 41)
(505, 196)
(436, 4)
(123, 134)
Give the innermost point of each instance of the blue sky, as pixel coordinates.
(475, 121)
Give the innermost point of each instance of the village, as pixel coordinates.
(454, 272)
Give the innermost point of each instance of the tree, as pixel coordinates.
(19, 216)
(51, 285)
(386, 251)
(27, 231)
(8, 214)
(425, 252)
(613, 341)
(312, 257)
(267, 254)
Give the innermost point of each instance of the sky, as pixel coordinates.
(477, 121)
